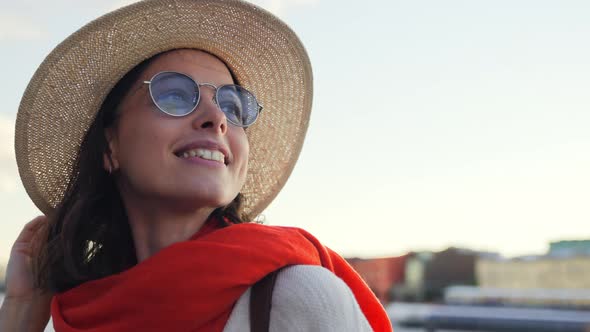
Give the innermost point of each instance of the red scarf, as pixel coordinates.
(193, 285)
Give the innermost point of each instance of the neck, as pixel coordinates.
(155, 226)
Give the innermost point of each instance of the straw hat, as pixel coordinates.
(68, 88)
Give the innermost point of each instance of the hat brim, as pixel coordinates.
(68, 88)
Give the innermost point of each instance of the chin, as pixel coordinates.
(204, 192)
(214, 202)
(209, 198)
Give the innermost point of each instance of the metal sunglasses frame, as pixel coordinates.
(199, 85)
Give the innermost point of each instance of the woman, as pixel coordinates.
(137, 138)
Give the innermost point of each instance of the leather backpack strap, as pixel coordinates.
(260, 302)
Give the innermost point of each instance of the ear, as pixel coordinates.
(109, 157)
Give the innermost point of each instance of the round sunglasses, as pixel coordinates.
(178, 94)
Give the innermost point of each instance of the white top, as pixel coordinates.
(305, 298)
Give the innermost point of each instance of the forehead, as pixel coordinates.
(197, 64)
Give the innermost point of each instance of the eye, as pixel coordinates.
(176, 101)
(175, 97)
(232, 111)
(175, 94)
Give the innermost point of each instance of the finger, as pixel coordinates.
(31, 228)
(22, 248)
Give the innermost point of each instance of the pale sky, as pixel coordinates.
(435, 123)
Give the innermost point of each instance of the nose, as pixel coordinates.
(208, 115)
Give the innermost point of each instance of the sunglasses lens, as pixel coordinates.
(174, 93)
(238, 104)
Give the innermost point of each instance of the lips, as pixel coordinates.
(205, 150)
(204, 154)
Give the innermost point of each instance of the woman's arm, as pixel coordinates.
(25, 308)
(25, 315)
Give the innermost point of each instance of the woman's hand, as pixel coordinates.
(25, 307)
(19, 272)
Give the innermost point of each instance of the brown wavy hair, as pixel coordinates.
(88, 236)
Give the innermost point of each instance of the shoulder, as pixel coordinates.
(307, 298)
(313, 298)
(309, 285)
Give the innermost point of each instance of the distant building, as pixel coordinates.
(429, 273)
(412, 288)
(551, 272)
(380, 273)
(569, 248)
(452, 266)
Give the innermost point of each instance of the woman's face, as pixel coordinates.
(149, 148)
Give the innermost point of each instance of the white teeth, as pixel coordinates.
(205, 154)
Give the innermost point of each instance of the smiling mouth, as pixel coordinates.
(206, 154)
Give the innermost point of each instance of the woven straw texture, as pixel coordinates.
(68, 88)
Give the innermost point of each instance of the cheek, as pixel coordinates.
(242, 148)
(141, 143)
